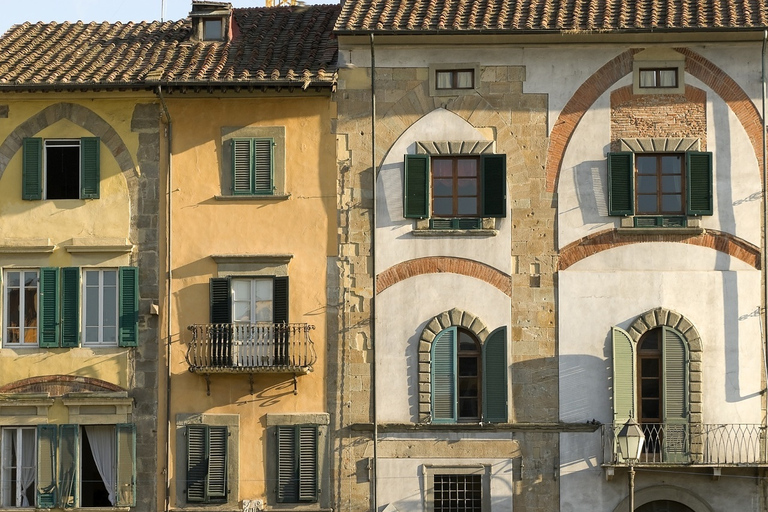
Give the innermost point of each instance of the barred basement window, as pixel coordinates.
(458, 493)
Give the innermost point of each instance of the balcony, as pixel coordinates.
(694, 444)
(251, 348)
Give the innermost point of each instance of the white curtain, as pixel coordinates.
(28, 465)
(101, 439)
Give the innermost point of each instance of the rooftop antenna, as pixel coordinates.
(162, 10)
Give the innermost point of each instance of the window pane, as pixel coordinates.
(672, 204)
(467, 167)
(646, 204)
(649, 367)
(91, 333)
(650, 408)
(466, 342)
(264, 311)
(212, 29)
(672, 184)
(443, 79)
(242, 311)
(241, 289)
(646, 184)
(468, 387)
(468, 187)
(468, 408)
(110, 278)
(91, 278)
(671, 164)
(667, 78)
(13, 279)
(647, 78)
(110, 306)
(443, 187)
(442, 206)
(442, 167)
(467, 206)
(91, 306)
(464, 79)
(650, 388)
(646, 164)
(468, 366)
(264, 289)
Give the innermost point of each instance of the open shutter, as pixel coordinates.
(197, 462)
(698, 167)
(280, 300)
(262, 166)
(444, 377)
(128, 278)
(32, 169)
(416, 187)
(70, 307)
(89, 167)
(307, 462)
(675, 362)
(68, 464)
(221, 303)
(216, 485)
(48, 316)
(126, 465)
(46, 466)
(621, 189)
(623, 377)
(242, 163)
(493, 169)
(287, 483)
(495, 377)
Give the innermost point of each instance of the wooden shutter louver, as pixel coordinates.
(699, 200)
(46, 467)
(280, 300)
(32, 169)
(307, 464)
(221, 304)
(48, 315)
(126, 464)
(675, 363)
(623, 376)
(495, 377)
(89, 167)
(262, 166)
(128, 309)
(241, 166)
(493, 169)
(443, 364)
(287, 482)
(70, 307)
(69, 462)
(197, 462)
(416, 187)
(621, 188)
(216, 485)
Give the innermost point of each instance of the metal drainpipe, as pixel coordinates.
(374, 174)
(765, 222)
(168, 309)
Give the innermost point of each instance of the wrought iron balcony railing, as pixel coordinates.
(706, 444)
(251, 348)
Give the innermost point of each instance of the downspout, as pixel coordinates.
(374, 174)
(169, 250)
(765, 233)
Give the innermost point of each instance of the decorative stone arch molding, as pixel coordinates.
(453, 318)
(666, 493)
(58, 385)
(662, 317)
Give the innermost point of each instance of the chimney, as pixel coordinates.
(211, 21)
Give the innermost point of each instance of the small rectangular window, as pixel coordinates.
(458, 493)
(100, 306)
(20, 300)
(213, 29)
(455, 79)
(661, 78)
(252, 166)
(62, 169)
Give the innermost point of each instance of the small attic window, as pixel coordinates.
(213, 29)
(210, 20)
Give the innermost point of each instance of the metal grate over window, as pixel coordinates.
(458, 493)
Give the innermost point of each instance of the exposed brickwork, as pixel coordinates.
(604, 240)
(438, 264)
(658, 115)
(58, 385)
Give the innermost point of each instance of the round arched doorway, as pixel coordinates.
(663, 506)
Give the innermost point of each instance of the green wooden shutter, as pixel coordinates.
(69, 462)
(221, 303)
(444, 377)
(70, 307)
(493, 169)
(32, 169)
(623, 377)
(126, 464)
(48, 315)
(242, 163)
(416, 187)
(263, 162)
(280, 300)
(675, 362)
(307, 462)
(621, 183)
(89, 167)
(495, 377)
(287, 482)
(216, 484)
(700, 198)
(197, 462)
(46, 466)
(128, 314)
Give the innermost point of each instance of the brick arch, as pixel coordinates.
(58, 385)
(592, 88)
(598, 242)
(440, 264)
(77, 114)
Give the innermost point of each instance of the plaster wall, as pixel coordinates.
(403, 311)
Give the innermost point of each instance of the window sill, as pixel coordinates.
(660, 231)
(273, 197)
(455, 232)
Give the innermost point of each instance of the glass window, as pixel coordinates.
(100, 303)
(21, 307)
(455, 187)
(212, 30)
(252, 300)
(18, 469)
(455, 79)
(658, 78)
(62, 169)
(659, 184)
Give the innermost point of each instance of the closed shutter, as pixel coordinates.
(128, 279)
(216, 485)
(495, 377)
(46, 466)
(68, 463)
(699, 183)
(287, 481)
(126, 464)
(280, 300)
(221, 304)
(676, 432)
(444, 377)
(262, 166)
(621, 189)
(307, 463)
(89, 167)
(297, 476)
(70, 307)
(416, 187)
(623, 377)
(493, 169)
(32, 169)
(48, 315)
(197, 462)
(242, 163)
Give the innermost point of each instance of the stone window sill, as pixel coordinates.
(455, 232)
(274, 197)
(660, 231)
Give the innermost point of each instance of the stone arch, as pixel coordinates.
(453, 318)
(666, 493)
(440, 264)
(598, 242)
(58, 385)
(594, 86)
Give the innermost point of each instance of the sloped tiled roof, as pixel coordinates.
(270, 46)
(494, 16)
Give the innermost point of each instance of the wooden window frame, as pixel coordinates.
(455, 186)
(658, 191)
(657, 78)
(454, 74)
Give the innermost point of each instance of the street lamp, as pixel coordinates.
(630, 440)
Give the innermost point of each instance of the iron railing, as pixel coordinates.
(251, 348)
(710, 444)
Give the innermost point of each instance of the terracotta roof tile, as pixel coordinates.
(549, 15)
(270, 46)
